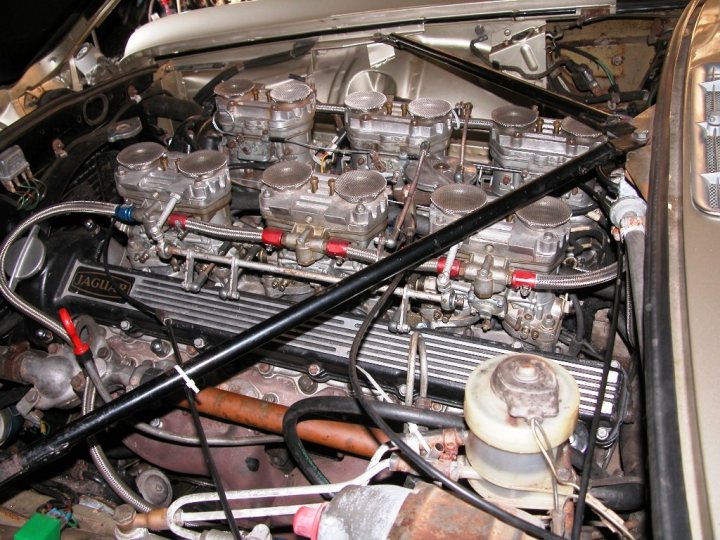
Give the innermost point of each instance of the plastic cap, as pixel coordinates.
(307, 521)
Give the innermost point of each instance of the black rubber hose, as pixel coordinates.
(607, 360)
(333, 406)
(171, 107)
(624, 494)
(49, 448)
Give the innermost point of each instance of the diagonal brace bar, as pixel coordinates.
(596, 118)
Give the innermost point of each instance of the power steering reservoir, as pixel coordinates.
(506, 399)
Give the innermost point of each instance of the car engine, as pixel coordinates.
(504, 357)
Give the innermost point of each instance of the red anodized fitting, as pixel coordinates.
(79, 347)
(454, 270)
(523, 278)
(336, 247)
(177, 220)
(272, 237)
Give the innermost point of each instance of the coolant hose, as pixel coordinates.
(635, 249)
(171, 107)
(332, 406)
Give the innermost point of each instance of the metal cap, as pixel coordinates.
(547, 213)
(287, 176)
(141, 156)
(360, 186)
(202, 163)
(365, 101)
(528, 386)
(578, 129)
(290, 92)
(428, 108)
(458, 199)
(234, 87)
(512, 116)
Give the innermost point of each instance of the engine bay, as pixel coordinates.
(342, 290)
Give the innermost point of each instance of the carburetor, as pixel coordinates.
(157, 183)
(534, 239)
(377, 124)
(352, 206)
(523, 141)
(253, 118)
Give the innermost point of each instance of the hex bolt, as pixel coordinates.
(617, 60)
(199, 342)
(159, 347)
(264, 369)
(125, 325)
(603, 433)
(43, 334)
(314, 370)
(307, 385)
(124, 515)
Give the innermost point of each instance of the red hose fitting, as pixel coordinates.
(273, 237)
(454, 270)
(79, 348)
(177, 220)
(523, 278)
(336, 247)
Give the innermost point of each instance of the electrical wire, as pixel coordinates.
(592, 58)
(200, 431)
(415, 459)
(587, 462)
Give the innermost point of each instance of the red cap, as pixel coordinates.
(307, 521)
(272, 237)
(177, 220)
(78, 346)
(523, 278)
(336, 247)
(454, 269)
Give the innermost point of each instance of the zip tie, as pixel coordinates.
(188, 381)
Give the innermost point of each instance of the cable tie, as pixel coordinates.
(188, 381)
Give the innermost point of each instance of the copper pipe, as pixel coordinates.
(259, 414)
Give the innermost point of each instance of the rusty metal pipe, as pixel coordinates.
(259, 414)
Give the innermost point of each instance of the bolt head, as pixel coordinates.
(199, 342)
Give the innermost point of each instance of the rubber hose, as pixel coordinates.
(627, 495)
(347, 405)
(171, 107)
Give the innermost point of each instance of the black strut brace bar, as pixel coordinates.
(600, 120)
(235, 349)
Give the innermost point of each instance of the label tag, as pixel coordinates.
(95, 283)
